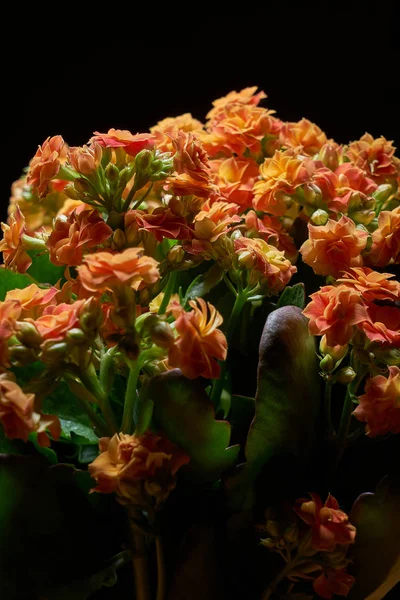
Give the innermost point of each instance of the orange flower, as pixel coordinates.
(46, 164)
(74, 234)
(352, 192)
(333, 312)
(215, 220)
(235, 179)
(334, 247)
(57, 320)
(379, 406)
(18, 415)
(304, 136)
(138, 469)
(332, 582)
(12, 245)
(10, 311)
(265, 262)
(33, 300)
(85, 160)
(385, 247)
(383, 324)
(183, 184)
(163, 130)
(329, 525)
(375, 156)
(162, 223)
(281, 175)
(117, 138)
(270, 229)
(246, 96)
(103, 271)
(371, 284)
(190, 156)
(199, 342)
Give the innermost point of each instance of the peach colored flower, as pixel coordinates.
(74, 234)
(33, 300)
(85, 160)
(333, 312)
(137, 466)
(281, 175)
(246, 96)
(103, 271)
(46, 164)
(199, 343)
(215, 220)
(69, 206)
(271, 230)
(190, 156)
(162, 223)
(371, 284)
(385, 247)
(12, 245)
(329, 525)
(334, 247)
(183, 122)
(10, 311)
(235, 179)
(379, 406)
(304, 136)
(18, 415)
(333, 582)
(57, 320)
(183, 184)
(382, 325)
(264, 262)
(352, 189)
(117, 138)
(375, 156)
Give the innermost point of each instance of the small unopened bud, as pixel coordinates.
(28, 335)
(336, 352)
(329, 156)
(119, 239)
(115, 220)
(345, 375)
(91, 317)
(319, 217)
(76, 335)
(143, 161)
(327, 364)
(268, 543)
(246, 260)
(382, 193)
(175, 255)
(82, 186)
(53, 353)
(21, 355)
(312, 194)
(273, 529)
(291, 534)
(111, 172)
(70, 192)
(388, 357)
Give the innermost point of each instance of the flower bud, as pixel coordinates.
(268, 543)
(329, 156)
(82, 186)
(111, 172)
(143, 161)
(382, 193)
(319, 217)
(345, 375)
(91, 317)
(115, 220)
(54, 352)
(312, 194)
(327, 364)
(336, 352)
(28, 335)
(76, 335)
(388, 357)
(21, 355)
(119, 239)
(273, 529)
(70, 192)
(175, 255)
(246, 259)
(291, 533)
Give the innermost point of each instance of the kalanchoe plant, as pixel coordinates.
(196, 324)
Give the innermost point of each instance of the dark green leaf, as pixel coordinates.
(294, 295)
(204, 282)
(43, 271)
(11, 281)
(183, 410)
(46, 452)
(87, 453)
(376, 552)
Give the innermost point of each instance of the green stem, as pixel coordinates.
(328, 409)
(32, 243)
(90, 381)
(161, 573)
(218, 384)
(142, 199)
(169, 288)
(285, 571)
(139, 562)
(130, 396)
(84, 397)
(106, 370)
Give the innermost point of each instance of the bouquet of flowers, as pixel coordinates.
(199, 333)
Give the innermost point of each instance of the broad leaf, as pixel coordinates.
(376, 553)
(294, 295)
(46, 452)
(183, 410)
(11, 281)
(204, 282)
(43, 271)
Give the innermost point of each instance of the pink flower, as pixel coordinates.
(117, 138)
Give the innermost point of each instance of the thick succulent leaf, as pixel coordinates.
(11, 281)
(43, 270)
(183, 410)
(204, 282)
(294, 295)
(376, 553)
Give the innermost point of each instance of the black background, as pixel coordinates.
(69, 72)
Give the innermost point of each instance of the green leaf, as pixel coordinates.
(294, 295)
(11, 281)
(204, 282)
(43, 271)
(46, 452)
(183, 410)
(72, 417)
(87, 453)
(376, 552)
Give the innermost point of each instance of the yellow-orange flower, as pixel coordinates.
(333, 312)
(10, 311)
(19, 417)
(57, 320)
(138, 469)
(76, 233)
(304, 136)
(334, 247)
(375, 156)
(281, 175)
(235, 179)
(371, 284)
(215, 220)
(183, 184)
(385, 247)
(85, 160)
(271, 230)
(266, 263)
(122, 138)
(246, 96)
(33, 300)
(379, 406)
(46, 164)
(190, 156)
(199, 343)
(103, 271)
(167, 127)
(12, 245)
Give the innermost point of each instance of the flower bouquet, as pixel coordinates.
(199, 340)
